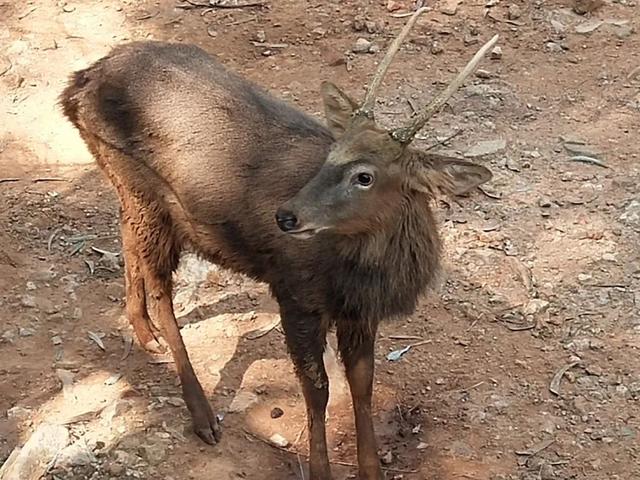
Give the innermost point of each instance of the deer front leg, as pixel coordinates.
(356, 344)
(306, 336)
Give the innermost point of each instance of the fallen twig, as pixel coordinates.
(591, 160)
(52, 238)
(537, 448)
(554, 386)
(7, 180)
(445, 140)
(48, 179)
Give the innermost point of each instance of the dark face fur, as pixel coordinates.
(366, 175)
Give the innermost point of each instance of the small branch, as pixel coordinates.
(442, 142)
(9, 180)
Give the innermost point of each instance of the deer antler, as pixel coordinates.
(405, 135)
(370, 97)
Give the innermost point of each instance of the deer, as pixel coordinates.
(335, 218)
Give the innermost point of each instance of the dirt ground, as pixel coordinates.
(542, 268)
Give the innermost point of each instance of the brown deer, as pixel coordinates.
(335, 219)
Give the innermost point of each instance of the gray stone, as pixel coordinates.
(28, 301)
(77, 454)
(631, 214)
(486, 147)
(362, 45)
(32, 460)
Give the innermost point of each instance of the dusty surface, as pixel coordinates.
(544, 275)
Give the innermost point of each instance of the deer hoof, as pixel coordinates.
(209, 431)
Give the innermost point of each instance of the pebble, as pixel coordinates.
(387, 458)
(514, 12)
(26, 332)
(544, 202)
(422, 446)
(56, 340)
(450, 7)
(486, 147)
(31, 286)
(496, 53)
(436, 48)
(277, 412)
(631, 214)
(362, 45)
(279, 441)
(28, 301)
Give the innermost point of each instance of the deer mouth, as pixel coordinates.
(305, 234)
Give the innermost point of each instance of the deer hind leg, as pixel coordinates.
(136, 296)
(158, 251)
(356, 344)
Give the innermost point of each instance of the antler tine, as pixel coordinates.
(369, 100)
(406, 134)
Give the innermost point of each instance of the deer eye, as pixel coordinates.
(363, 179)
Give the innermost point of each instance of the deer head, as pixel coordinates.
(370, 170)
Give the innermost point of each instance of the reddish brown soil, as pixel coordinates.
(474, 396)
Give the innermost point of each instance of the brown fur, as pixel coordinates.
(202, 159)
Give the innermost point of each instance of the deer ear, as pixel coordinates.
(338, 108)
(431, 172)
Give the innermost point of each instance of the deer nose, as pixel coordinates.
(286, 220)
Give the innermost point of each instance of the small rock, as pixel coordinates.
(422, 446)
(631, 214)
(558, 27)
(359, 23)
(535, 306)
(584, 277)
(514, 12)
(279, 441)
(77, 454)
(486, 147)
(588, 26)
(440, 381)
(496, 53)
(8, 336)
(481, 73)
(319, 32)
(582, 7)
(375, 48)
(470, 39)
(609, 257)
(176, 401)
(277, 412)
(393, 5)
(242, 401)
(32, 461)
(553, 47)
(362, 45)
(544, 202)
(28, 301)
(260, 36)
(623, 31)
(154, 453)
(387, 458)
(26, 332)
(31, 286)
(19, 413)
(436, 48)
(373, 27)
(56, 340)
(449, 7)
